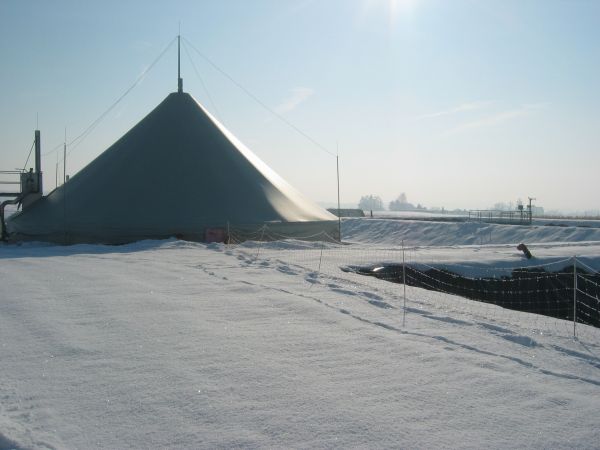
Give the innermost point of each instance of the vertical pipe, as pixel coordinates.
(38, 154)
(38, 160)
(404, 284)
(574, 296)
(337, 165)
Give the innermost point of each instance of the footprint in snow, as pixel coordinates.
(380, 304)
(287, 270)
(371, 295)
(343, 291)
(525, 341)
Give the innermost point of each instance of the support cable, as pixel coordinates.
(257, 100)
(201, 81)
(28, 156)
(79, 139)
(53, 149)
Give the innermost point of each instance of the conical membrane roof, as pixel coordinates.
(177, 172)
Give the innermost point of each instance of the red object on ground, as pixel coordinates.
(214, 235)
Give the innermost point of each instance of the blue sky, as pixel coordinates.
(457, 103)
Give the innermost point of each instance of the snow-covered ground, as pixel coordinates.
(431, 233)
(170, 344)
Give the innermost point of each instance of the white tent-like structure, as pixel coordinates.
(178, 172)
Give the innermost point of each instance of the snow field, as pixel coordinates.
(183, 345)
(418, 232)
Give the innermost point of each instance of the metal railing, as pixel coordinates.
(520, 217)
(10, 178)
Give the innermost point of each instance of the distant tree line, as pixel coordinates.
(402, 204)
(374, 203)
(371, 203)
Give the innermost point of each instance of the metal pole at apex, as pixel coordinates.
(179, 80)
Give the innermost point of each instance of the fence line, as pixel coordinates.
(327, 265)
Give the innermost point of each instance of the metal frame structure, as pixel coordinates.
(29, 182)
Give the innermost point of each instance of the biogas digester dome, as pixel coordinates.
(178, 172)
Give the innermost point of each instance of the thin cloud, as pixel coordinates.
(502, 116)
(472, 106)
(298, 96)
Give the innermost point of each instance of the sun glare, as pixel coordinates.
(400, 6)
(393, 9)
